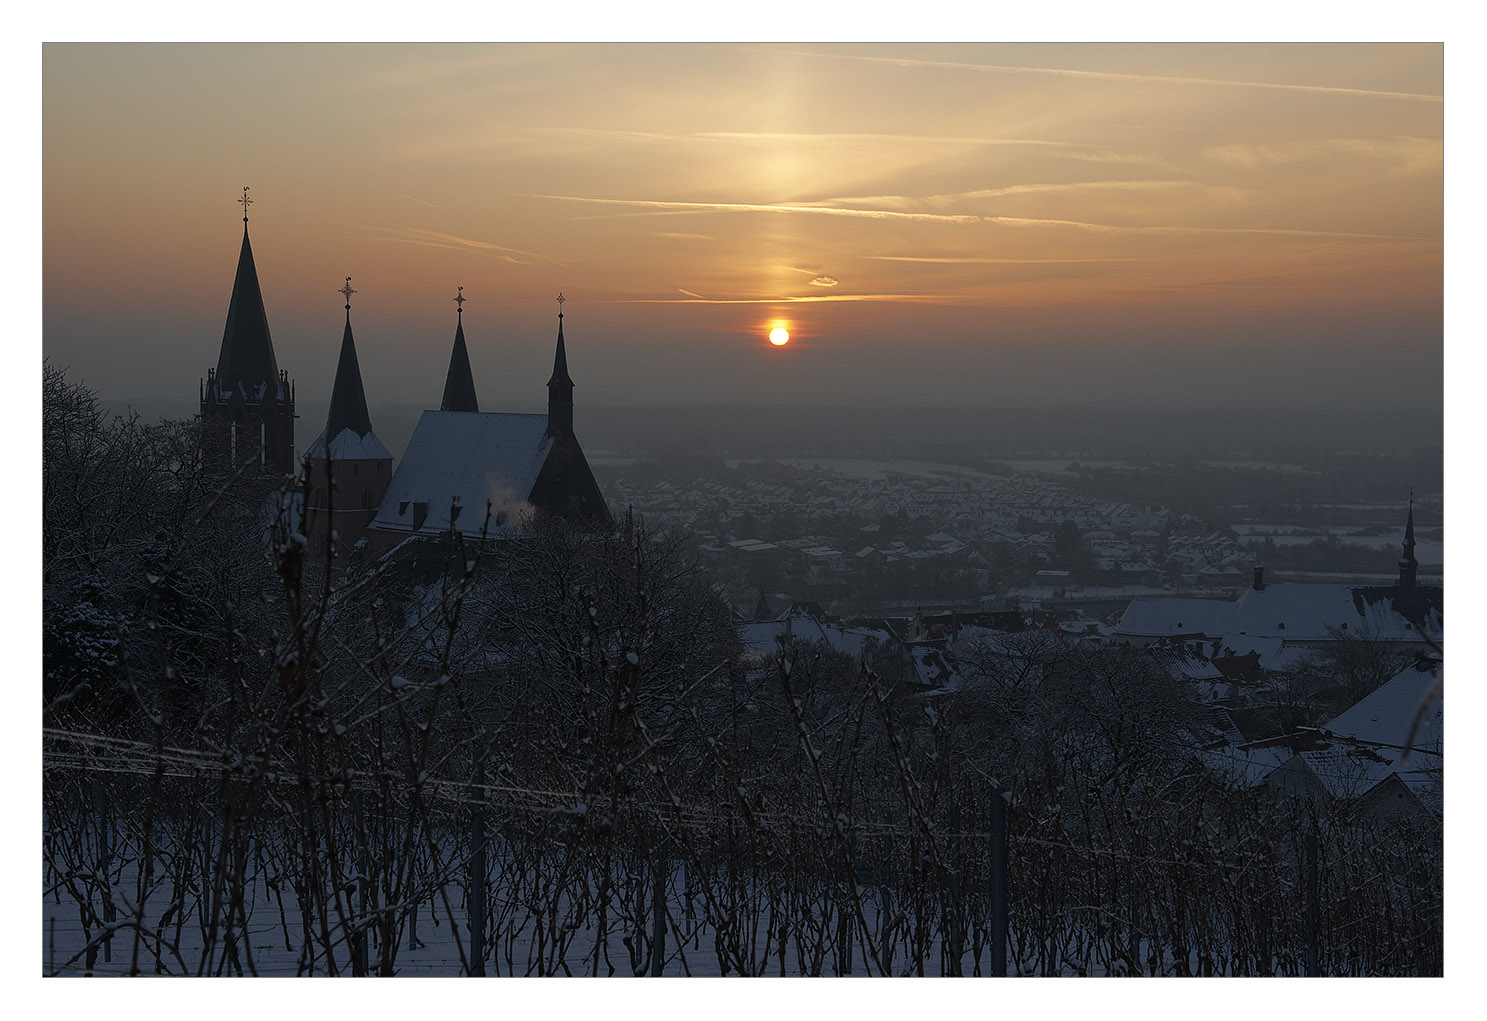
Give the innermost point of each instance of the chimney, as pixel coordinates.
(1259, 578)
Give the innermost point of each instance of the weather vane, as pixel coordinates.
(459, 301)
(245, 202)
(348, 291)
(560, 299)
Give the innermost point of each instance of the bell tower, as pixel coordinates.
(247, 401)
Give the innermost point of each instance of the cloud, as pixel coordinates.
(1066, 72)
(824, 281)
(1108, 228)
(757, 207)
(931, 299)
(411, 198)
(436, 239)
(691, 294)
(993, 260)
(1409, 152)
(1032, 189)
(682, 236)
(801, 137)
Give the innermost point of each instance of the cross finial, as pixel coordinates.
(459, 301)
(560, 299)
(245, 202)
(348, 291)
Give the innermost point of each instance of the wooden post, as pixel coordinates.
(1313, 906)
(953, 942)
(885, 906)
(105, 854)
(364, 866)
(999, 884)
(475, 879)
(658, 908)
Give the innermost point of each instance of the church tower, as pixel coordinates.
(1409, 567)
(247, 401)
(349, 467)
(560, 387)
(459, 384)
(565, 487)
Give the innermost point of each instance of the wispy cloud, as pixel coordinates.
(1409, 152)
(664, 207)
(1108, 228)
(1068, 72)
(1067, 186)
(680, 236)
(691, 294)
(436, 239)
(411, 198)
(824, 281)
(920, 299)
(754, 207)
(993, 260)
(801, 137)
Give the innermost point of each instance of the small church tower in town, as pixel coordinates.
(349, 468)
(1409, 567)
(247, 401)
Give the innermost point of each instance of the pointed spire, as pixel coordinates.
(459, 384)
(560, 362)
(247, 356)
(1408, 565)
(560, 386)
(348, 400)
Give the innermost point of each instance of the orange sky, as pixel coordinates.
(1112, 224)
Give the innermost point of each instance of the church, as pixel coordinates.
(464, 471)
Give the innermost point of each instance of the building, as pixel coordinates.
(1296, 614)
(247, 401)
(347, 466)
(464, 471)
(478, 472)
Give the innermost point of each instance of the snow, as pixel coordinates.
(466, 459)
(1384, 718)
(348, 446)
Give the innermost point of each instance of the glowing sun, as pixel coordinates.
(779, 336)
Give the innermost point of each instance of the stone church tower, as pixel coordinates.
(247, 401)
(348, 465)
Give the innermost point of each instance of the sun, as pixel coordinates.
(779, 336)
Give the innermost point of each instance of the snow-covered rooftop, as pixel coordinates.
(348, 446)
(466, 459)
(1384, 718)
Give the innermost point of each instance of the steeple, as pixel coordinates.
(247, 401)
(348, 401)
(560, 386)
(459, 384)
(247, 356)
(1408, 565)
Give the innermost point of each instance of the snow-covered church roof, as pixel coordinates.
(464, 460)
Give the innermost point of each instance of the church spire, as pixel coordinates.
(560, 386)
(459, 384)
(348, 401)
(1408, 565)
(247, 356)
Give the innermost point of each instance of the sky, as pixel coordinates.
(970, 224)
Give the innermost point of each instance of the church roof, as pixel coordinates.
(464, 459)
(348, 400)
(348, 434)
(459, 384)
(560, 375)
(247, 356)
